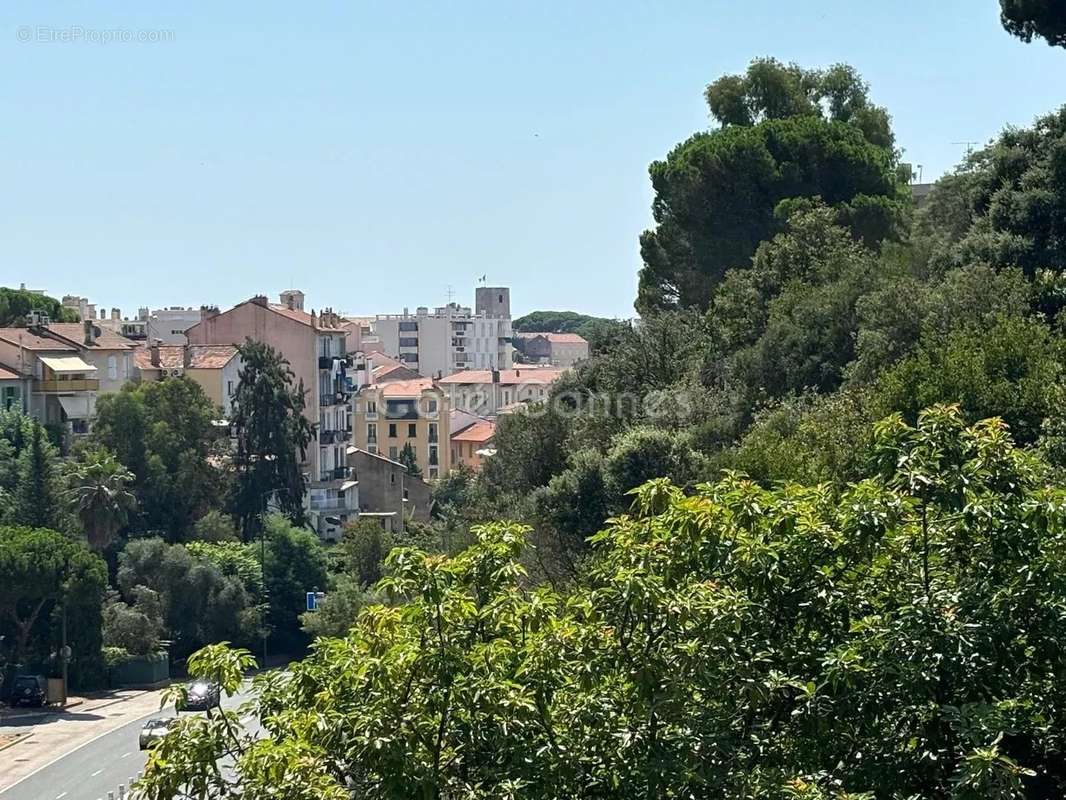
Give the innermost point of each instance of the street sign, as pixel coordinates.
(314, 599)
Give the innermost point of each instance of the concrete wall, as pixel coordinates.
(382, 484)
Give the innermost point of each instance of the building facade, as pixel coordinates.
(168, 325)
(487, 393)
(215, 367)
(314, 345)
(452, 337)
(471, 443)
(556, 349)
(387, 492)
(388, 416)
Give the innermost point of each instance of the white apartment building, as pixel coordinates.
(451, 338)
(168, 325)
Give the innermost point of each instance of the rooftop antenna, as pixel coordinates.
(969, 147)
(450, 292)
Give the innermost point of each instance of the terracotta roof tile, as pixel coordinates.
(479, 432)
(31, 341)
(554, 338)
(8, 374)
(107, 340)
(508, 377)
(172, 356)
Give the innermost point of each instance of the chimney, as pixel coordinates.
(186, 356)
(91, 332)
(154, 352)
(259, 300)
(116, 314)
(206, 312)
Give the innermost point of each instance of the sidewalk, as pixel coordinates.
(32, 738)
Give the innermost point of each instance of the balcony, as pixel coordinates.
(335, 398)
(59, 386)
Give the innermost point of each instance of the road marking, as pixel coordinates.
(61, 796)
(96, 773)
(125, 754)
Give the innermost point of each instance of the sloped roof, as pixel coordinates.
(508, 377)
(302, 317)
(107, 340)
(31, 341)
(388, 373)
(172, 356)
(408, 388)
(554, 338)
(8, 374)
(479, 432)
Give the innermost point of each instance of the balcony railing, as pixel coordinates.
(87, 385)
(333, 437)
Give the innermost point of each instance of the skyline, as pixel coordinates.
(371, 157)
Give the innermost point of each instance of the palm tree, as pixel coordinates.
(98, 495)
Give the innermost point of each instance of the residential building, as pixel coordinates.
(384, 369)
(452, 337)
(57, 386)
(488, 392)
(135, 329)
(14, 390)
(386, 492)
(81, 305)
(168, 325)
(314, 345)
(215, 367)
(388, 416)
(557, 349)
(471, 442)
(110, 353)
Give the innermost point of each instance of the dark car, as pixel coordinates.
(200, 696)
(154, 730)
(28, 690)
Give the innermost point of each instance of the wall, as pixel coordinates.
(381, 484)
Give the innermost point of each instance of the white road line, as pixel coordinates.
(61, 796)
(125, 754)
(96, 773)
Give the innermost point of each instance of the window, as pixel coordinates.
(392, 430)
(392, 478)
(433, 455)
(393, 452)
(372, 448)
(433, 472)
(229, 392)
(432, 406)
(112, 368)
(371, 432)
(408, 326)
(407, 341)
(412, 430)
(454, 456)
(126, 366)
(371, 408)
(433, 431)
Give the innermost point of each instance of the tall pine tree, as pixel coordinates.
(37, 502)
(272, 438)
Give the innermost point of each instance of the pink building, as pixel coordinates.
(315, 347)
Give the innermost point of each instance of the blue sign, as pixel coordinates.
(311, 598)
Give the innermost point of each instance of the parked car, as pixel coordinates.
(154, 730)
(201, 695)
(29, 690)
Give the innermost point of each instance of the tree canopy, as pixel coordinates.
(718, 195)
(16, 304)
(1028, 18)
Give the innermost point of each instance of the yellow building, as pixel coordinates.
(215, 367)
(388, 416)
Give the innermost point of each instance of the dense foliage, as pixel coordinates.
(16, 304)
(898, 636)
(720, 193)
(1029, 18)
(272, 438)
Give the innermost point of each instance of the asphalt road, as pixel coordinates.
(94, 769)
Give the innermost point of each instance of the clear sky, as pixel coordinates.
(374, 153)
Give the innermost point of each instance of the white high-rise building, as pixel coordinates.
(452, 337)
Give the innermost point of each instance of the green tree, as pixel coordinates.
(16, 304)
(37, 501)
(717, 194)
(43, 569)
(137, 627)
(99, 498)
(295, 564)
(272, 438)
(162, 432)
(1028, 18)
(772, 90)
(897, 637)
(409, 461)
(363, 550)
(199, 603)
(215, 526)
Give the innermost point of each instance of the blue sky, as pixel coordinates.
(374, 153)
